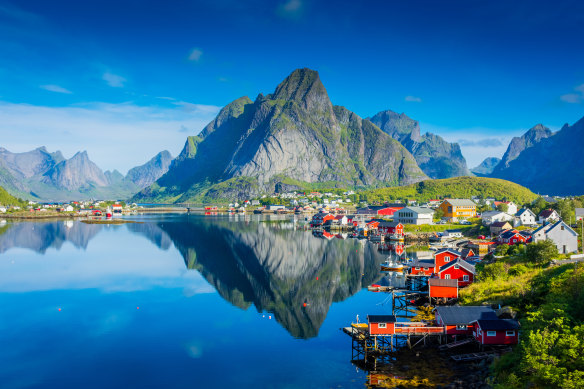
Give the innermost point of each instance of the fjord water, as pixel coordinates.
(181, 301)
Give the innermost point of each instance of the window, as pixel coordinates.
(510, 333)
(461, 327)
(447, 259)
(447, 276)
(382, 325)
(417, 268)
(456, 267)
(491, 333)
(465, 277)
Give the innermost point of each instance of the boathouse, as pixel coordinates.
(320, 218)
(496, 331)
(459, 270)
(444, 289)
(422, 267)
(381, 324)
(458, 320)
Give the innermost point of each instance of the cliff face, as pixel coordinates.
(436, 157)
(518, 144)
(547, 163)
(487, 166)
(75, 173)
(293, 134)
(145, 175)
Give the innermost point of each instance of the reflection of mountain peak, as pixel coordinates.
(39, 236)
(277, 270)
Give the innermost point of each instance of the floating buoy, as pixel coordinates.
(137, 307)
(304, 305)
(270, 317)
(59, 309)
(317, 278)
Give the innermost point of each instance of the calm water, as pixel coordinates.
(181, 301)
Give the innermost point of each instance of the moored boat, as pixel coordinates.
(390, 265)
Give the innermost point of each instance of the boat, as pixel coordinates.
(390, 265)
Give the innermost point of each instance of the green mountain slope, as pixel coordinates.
(457, 187)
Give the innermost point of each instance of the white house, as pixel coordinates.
(68, 208)
(548, 216)
(565, 238)
(490, 217)
(2, 209)
(414, 215)
(525, 217)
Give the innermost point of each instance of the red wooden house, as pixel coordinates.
(385, 210)
(446, 289)
(422, 267)
(391, 228)
(459, 320)
(499, 331)
(320, 218)
(459, 270)
(381, 324)
(444, 256)
(511, 237)
(212, 208)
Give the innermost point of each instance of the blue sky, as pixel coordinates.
(126, 79)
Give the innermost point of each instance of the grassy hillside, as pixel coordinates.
(457, 187)
(7, 199)
(549, 301)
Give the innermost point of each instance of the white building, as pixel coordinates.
(490, 217)
(565, 238)
(548, 216)
(414, 215)
(525, 217)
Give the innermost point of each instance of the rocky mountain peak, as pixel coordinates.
(397, 125)
(518, 144)
(303, 86)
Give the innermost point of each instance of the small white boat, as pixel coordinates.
(390, 265)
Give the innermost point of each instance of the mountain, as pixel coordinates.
(518, 144)
(75, 173)
(549, 163)
(7, 199)
(436, 157)
(294, 135)
(44, 176)
(152, 170)
(486, 167)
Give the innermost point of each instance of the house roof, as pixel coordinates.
(381, 318)
(385, 223)
(461, 202)
(546, 213)
(419, 210)
(508, 234)
(465, 252)
(491, 213)
(497, 324)
(422, 263)
(464, 315)
(444, 250)
(499, 224)
(524, 210)
(566, 227)
(439, 282)
(459, 261)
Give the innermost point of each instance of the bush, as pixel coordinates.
(517, 270)
(541, 252)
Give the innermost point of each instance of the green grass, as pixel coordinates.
(7, 199)
(549, 302)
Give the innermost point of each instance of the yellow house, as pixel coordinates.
(458, 208)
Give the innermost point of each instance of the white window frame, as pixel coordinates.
(509, 333)
(447, 258)
(456, 266)
(417, 268)
(465, 277)
(491, 333)
(381, 325)
(461, 327)
(446, 276)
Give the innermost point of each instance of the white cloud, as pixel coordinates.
(413, 99)
(114, 80)
(290, 9)
(574, 98)
(55, 88)
(116, 136)
(195, 55)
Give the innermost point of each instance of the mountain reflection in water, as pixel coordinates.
(273, 266)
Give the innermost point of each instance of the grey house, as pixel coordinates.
(564, 237)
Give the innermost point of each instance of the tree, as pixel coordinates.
(543, 251)
(503, 207)
(539, 205)
(438, 214)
